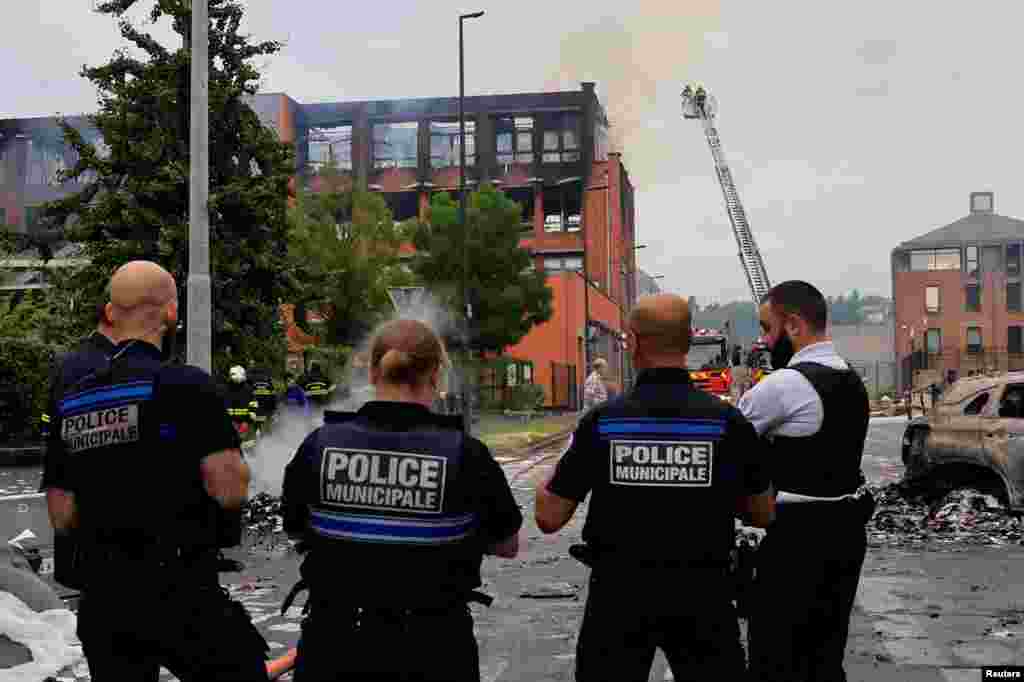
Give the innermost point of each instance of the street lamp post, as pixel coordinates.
(200, 336)
(467, 419)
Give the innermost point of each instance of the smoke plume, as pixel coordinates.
(633, 60)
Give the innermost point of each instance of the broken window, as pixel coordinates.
(444, 144)
(931, 299)
(973, 298)
(514, 139)
(972, 261)
(977, 405)
(562, 138)
(395, 145)
(1015, 340)
(553, 217)
(403, 205)
(934, 341)
(330, 145)
(1013, 260)
(524, 197)
(974, 339)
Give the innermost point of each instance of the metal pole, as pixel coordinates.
(467, 418)
(200, 337)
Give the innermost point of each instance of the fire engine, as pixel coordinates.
(708, 362)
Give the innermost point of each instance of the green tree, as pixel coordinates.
(135, 204)
(508, 297)
(343, 249)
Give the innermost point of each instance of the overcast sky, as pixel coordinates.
(849, 126)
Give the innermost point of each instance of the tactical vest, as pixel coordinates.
(666, 487)
(133, 485)
(241, 402)
(392, 519)
(826, 463)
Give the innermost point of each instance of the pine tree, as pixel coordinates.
(136, 202)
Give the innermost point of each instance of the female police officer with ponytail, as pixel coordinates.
(396, 507)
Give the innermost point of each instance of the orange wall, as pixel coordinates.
(557, 340)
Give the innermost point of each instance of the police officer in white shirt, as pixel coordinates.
(814, 412)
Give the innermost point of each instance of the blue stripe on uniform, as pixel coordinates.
(703, 427)
(108, 396)
(393, 530)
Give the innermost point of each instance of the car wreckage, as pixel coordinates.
(975, 431)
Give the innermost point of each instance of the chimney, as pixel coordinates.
(982, 202)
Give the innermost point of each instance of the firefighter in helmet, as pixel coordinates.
(242, 405)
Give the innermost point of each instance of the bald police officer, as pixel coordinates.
(142, 464)
(814, 411)
(669, 467)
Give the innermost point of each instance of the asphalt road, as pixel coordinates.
(930, 616)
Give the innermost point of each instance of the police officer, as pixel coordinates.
(93, 350)
(814, 411)
(144, 466)
(669, 467)
(92, 353)
(398, 507)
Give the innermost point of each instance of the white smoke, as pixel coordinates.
(278, 446)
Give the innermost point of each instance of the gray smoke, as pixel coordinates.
(275, 449)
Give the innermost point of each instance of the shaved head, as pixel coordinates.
(140, 294)
(661, 325)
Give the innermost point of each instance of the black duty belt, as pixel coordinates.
(593, 557)
(341, 605)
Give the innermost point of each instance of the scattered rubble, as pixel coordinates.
(963, 517)
(262, 515)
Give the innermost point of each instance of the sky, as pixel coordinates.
(849, 127)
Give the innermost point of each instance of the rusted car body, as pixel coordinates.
(978, 422)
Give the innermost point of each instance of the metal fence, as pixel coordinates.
(880, 377)
(920, 369)
(563, 386)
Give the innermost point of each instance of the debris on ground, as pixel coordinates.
(961, 517)
(552, 591)
(262, 514)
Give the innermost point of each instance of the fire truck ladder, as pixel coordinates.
(698, 104)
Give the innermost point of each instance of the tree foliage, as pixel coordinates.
(508, 297)
(344, 254)
(136, 200)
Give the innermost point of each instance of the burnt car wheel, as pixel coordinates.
(915, 452)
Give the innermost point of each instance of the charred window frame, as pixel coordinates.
(395, 145)
(974, 340)
(513, 137)
(1015, 340)
(561, 137)
(325, 144)
(563, 208)
(523, 196)
(444, 144)
(972, 298)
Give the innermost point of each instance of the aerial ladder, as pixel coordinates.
(698, 104)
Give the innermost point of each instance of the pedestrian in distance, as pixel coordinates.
(813, 410)
(143, 466)
(396, 507)
(669, 467)
(595, 391)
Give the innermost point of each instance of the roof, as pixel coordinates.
(976, 227)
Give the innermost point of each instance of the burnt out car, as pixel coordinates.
(973, 434)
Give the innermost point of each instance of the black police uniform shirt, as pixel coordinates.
(666, 464)
(93, 350)
(393, 512)
(129, 447)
